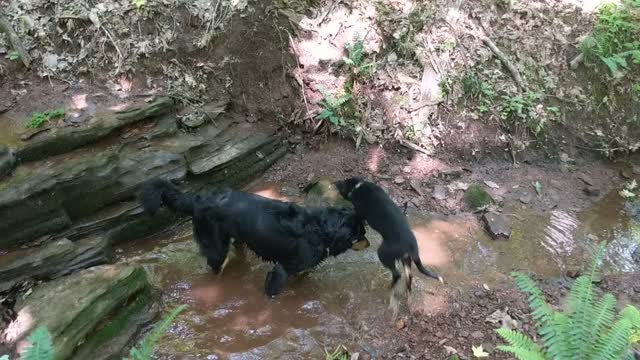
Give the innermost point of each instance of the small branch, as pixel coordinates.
(424, 104)
(295, 54)
(505, 61)
(415, 147)
(573, 64)
(5, 27)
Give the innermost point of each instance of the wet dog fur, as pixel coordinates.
(294, 238)
(399, 248)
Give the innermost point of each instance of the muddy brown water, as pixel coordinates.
(229, 314)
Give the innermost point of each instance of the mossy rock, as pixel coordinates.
(476, 197)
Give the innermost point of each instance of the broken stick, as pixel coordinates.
(5, 27)
(505, 61)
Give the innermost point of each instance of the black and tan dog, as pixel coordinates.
(399, 247)
(295, 238)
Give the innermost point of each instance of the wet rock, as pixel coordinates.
(475, 197)
(53, 141)
(322, 192)
(586, 179)
(592, 190)
(7, 160)
(39, 201)
(73, 307)
(636, 255)
(95, 191)
(52, 260)
(439, 192)
(114, 334)
(526, 198)
(632, 209)
(497, 226)
(294, 344)
(209, 113)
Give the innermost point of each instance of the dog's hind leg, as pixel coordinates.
(275, 280)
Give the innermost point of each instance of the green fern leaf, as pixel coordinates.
(615, 343)
(602, 317)
(522, 354)
(519, 340)
(41, 345)
(146, 345)
(324, 114)
(580, 309)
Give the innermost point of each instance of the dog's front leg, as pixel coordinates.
(275, 280)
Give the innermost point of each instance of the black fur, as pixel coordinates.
(399, 243)
(293, 237)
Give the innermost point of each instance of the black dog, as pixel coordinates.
(294, 238)
(399, 246)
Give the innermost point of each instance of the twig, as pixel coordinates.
(505, 61)
(415, 147)
(73, 17)
(5, 27)
(295, 54)
(424, 104)
(573, 64)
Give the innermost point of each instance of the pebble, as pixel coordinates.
(477, 334)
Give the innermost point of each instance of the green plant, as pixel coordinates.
(41, 347)
(333, 108)
(477, 89)
(39, 118)
(138, 4)
(340, 353)
(356, 57)
(145, 347)
(14, 55)
(616, 36)
(587, 329)
(520, 110)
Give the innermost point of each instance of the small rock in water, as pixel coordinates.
(497, 226)
(592, 190)
(636, 255)
(526, 198)
(491, 184)
(439, 192)
(586, 179)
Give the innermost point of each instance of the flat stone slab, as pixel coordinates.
(72, 306)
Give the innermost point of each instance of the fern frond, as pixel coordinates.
(580, 308)
(146, 345)
(613, 345)
(557, 340)
(602, 317)
(540, 311)
(41, 345)
(519, 340)
(522, 354)
(598, 257)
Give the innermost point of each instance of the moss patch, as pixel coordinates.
(476, 197)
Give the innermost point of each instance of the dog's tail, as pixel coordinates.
(425, 271)
(159, 192)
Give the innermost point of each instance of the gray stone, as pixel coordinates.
(42, 143)
(592, 191)
(52, 260)
(7, 160)
(73, 307)
(497, 225)
(439, 192)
